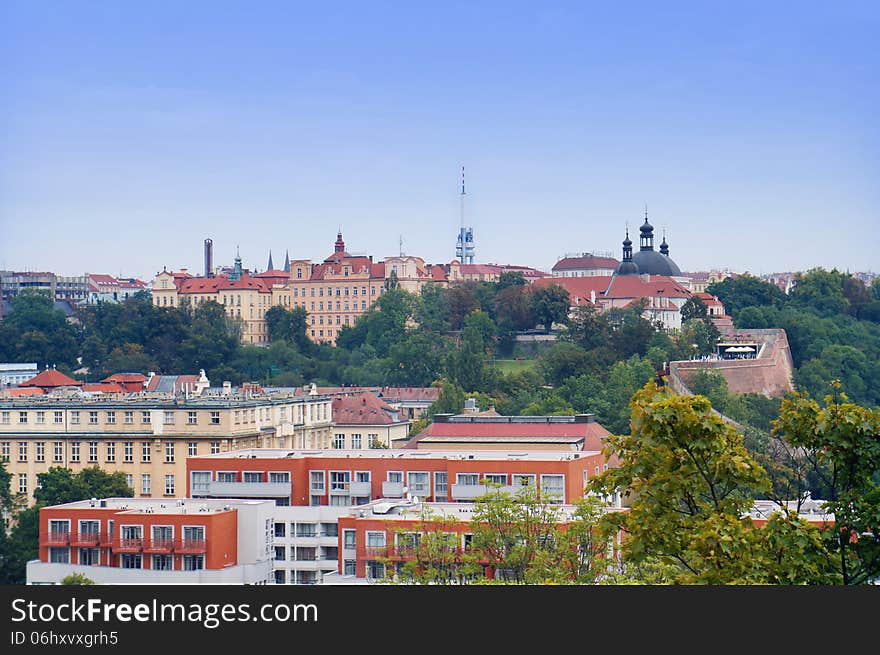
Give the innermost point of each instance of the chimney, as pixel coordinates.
(227, 387)
(209, 257)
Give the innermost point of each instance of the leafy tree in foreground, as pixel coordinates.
(692, 484)
(841, 447)
(61, 485)
(76, 579)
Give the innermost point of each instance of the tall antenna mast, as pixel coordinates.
(401, 245)
(462, 196)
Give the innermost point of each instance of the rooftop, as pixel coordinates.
(381, 453)
(131, 506)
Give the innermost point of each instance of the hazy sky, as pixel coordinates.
(131, 131)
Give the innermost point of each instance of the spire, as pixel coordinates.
(646, 240)
(286, 262)
(339, 246)
(664, 247)
(236, 270)
(627, 266)
(270, 266)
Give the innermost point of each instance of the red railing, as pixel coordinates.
(84, 538)
(158, 545)
(106, 539)
(133, 545)
(55, 539)
(190, 546)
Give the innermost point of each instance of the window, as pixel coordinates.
(375, 539)
(22, 483)
(163, 562)
(306, 554)
(4, 451)
(349, 539)
(280, 552)
(440, 486)
(329, 529)
(59, 555)
(495, 478)
(356, 441)
(339, 441)
(41, 451)
(93, 451)
(253, 477)
(22, 417)
(215, 447)
(279, 476)
(22, 451)
(523, 480)
(129, 480)
(191, 418)
(316, 481)
(349, 567)
(111, 418)
(74, 451)
(111, 451)
(362, 476)
(127, 451)
(74, 417)
(395, 476)
(469, 479)
(89, 556)
(553, 488)
(128, 418)
(280, 531)
(215, 418)
(41, 417)
(169, 484)
(375, 570)
(200, 480)
(418, 483)
(193, 562)
(58, 454)
(145, 417)
(4, 417)
(145, 484)
(59, 417)
(169, 418)
(169, 452)
(93, 418)
(130, 561)
(192, 449)
(339, 480)
(226, 476)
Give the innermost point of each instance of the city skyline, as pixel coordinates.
(131, 134)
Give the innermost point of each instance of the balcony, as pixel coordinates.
(471, 491)
(247, 490)
(130, 545)
(106, 539)
(339, 488)
(360, 489)
(392, 489)
(158, 545)
(55, 539)
(84, 539)
(190, 546)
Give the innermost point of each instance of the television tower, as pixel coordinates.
(464, 248)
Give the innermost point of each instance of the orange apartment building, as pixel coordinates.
(138, 541)
(347, 478)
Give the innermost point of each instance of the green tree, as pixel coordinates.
(450, 401)
(840, 447)
(61, 485)
(561, 361)
(693, 308)
(550, 305)
(741, 291)
(821, 291)
(76, 579)
(690, 480)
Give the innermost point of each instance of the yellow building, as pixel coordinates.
(149, 435)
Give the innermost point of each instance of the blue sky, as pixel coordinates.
(130, 132)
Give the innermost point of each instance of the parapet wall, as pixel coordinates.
(769, 374)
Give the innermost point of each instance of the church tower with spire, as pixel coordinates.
(270, 266)
(627, 267)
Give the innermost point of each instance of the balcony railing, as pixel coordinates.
(106, 539)
(84, 538)
(392, 489)
(190, 546)
(158, 545)
(55, 539)
(128, 545)
(246, 490)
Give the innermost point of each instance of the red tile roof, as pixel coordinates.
(480, 269)
(49, 379)
(125, 377)
(104, 387)
(579, 288)
(708, 299)
(100, 278)
(592, 433)
(633, 286)
(26, 391)
(222, 283)
(399, 394)
(377, 271)
(438, 273)
(585, 262)
(363, 409)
